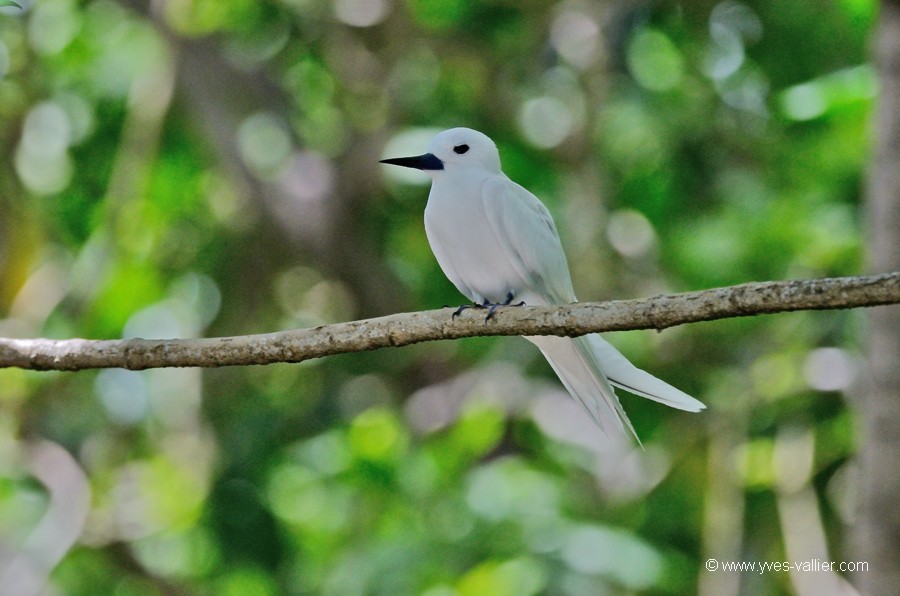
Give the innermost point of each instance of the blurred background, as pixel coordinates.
(185, 168)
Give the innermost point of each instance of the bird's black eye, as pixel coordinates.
(460, 149)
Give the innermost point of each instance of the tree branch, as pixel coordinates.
(297, 345)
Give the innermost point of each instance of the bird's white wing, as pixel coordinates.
(527, 234)
(588, 365)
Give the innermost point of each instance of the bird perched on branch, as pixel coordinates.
(499, 246)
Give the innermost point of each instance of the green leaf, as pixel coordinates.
(10, 3)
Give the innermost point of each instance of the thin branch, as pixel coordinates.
(297, 345)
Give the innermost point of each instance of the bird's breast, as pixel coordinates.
(466, 246)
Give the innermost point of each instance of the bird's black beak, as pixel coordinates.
(429, 161)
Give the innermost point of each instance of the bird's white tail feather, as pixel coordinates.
(624, 374)
(589, 366)
(580, 373)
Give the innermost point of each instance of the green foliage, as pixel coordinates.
(212, 170)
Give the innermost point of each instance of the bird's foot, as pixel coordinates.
(493, 307)
(459, 310)
(490, 306)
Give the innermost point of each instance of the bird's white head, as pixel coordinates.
(454, 149)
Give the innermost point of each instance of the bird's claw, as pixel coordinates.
(491, 307)
(494, 307)
(459, 310)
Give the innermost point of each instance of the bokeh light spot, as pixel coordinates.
(545, 121)
(830, 369)
(803, 102)
(264, 142)
(602, 551)
(123, 394)
(654, 61)
(361, 13)
(377, 435)
(575, 36)
(630, 233)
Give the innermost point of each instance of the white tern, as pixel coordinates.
(498, 244)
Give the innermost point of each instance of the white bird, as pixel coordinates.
(498, 244)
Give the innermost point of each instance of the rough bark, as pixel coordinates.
(404, 329)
